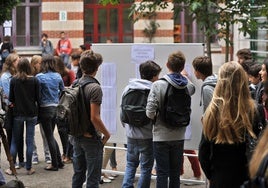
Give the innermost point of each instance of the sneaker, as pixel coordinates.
(35, 160)
(105, 180)
(19, 165)
(194, 183)
(48, 160)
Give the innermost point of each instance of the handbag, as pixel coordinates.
(259, 180)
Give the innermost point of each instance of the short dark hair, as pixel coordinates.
(44, 35)
(245, 53)
(75, 56)
(203, 64)
(176, 61)
(90, 61)
(149, 69)
(254, 70)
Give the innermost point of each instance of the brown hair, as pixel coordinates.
(176, 61)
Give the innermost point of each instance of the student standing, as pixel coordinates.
(168, 143)
(24, 96)
(222, 150)
(51, 85)
(139, 139)
(64, 48)
(88, 149)
(46, 45)
(68, 77)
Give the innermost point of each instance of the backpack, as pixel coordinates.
(74, 109)
(133, 107)
(258, 126)
(176, 108)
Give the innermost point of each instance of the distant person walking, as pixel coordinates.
(6, 49)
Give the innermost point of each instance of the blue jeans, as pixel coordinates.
(87, 161)
(65, 58)
(47, 118)
(17, 137)
(139, 151)
(168, 156)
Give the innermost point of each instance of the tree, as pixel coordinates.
(6, 9)
(210, 14)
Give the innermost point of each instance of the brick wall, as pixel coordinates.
(164, 33)
(73, 26)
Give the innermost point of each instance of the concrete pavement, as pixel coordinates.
(62, 178)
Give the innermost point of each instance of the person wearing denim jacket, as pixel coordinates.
(139, 139)
(168, 143)
(51, 85)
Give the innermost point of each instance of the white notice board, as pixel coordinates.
(121, 62)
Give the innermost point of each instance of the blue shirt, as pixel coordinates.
(51, 84)
(5, 84)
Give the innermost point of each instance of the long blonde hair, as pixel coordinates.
(231, 111)
(9, 64)
(260, 152)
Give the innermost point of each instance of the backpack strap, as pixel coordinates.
(82, 84)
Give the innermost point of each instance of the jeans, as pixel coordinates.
(47, 120)
(63, 132)
(45, 145)
(87, 162)
(139, 151)
(113, 162)
(168, 156)
(17, 137)
(65, 58)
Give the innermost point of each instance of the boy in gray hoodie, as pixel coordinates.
(139, 139)
(168, 143)
(203, 70)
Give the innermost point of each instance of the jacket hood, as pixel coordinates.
(210, 80)
(177, 80)
(136, 83)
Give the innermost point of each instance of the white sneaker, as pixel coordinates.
(105, 180)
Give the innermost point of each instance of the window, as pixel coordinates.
(26, 23)
(110, 21)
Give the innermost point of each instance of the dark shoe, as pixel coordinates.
(51, 168)
(61, 165)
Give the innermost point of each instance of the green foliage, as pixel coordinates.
(106, 2)
(6, 9)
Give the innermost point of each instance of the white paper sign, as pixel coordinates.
(142, 53)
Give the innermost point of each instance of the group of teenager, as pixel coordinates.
(234, 105)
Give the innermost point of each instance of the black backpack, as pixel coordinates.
(74, 110)
(133, 107)
(176, 108)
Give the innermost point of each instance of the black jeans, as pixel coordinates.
(47, 118)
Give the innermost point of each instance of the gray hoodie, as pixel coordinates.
(207, 90)
(144, 132)
(155, 101)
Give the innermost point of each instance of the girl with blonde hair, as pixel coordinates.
(229, 116)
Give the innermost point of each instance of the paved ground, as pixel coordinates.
(62, 178)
